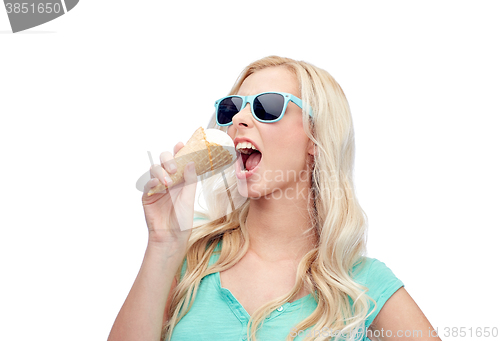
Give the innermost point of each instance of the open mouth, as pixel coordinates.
(251, 158)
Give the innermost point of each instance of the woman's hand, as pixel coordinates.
(169, 214)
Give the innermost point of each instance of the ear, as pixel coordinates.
(311, 148)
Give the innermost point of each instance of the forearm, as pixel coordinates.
(141, 316)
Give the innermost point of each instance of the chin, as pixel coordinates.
(250, 193)
(256, 190)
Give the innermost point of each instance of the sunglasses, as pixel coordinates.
(266, 107)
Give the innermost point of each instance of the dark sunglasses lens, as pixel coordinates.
(268, 107)
(228, 107)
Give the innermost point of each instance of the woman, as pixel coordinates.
(289, 262)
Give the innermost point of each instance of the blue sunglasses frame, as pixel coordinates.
(250, 99)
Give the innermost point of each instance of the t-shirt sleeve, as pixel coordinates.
(382, 284)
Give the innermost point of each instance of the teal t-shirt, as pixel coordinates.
(217, 315)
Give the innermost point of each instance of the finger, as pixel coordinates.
(159, 173)
(150, 184)
(178, 147)
(168, 162)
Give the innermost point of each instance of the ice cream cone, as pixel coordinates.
(206, 155)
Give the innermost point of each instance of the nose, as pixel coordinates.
(243, 118)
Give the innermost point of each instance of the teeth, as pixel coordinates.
(245, 145)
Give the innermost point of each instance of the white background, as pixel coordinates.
(84, 97)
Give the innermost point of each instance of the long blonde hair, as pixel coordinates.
(337, 219)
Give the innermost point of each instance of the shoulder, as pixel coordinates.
(213, 258)
(380, 281)
(371, 271)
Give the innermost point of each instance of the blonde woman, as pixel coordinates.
(287, 264)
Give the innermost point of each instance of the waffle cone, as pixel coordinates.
(207, 156)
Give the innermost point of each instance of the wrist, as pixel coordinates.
(169, 250)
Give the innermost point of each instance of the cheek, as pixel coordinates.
(231, 131)
(287, 154)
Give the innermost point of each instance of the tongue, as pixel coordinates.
(253, 160)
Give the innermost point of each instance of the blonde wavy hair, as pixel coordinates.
(337, 219)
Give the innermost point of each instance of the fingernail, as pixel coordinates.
(172, 168)
(168, 182)
(191, 166)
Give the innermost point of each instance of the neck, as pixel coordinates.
(276, 228)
